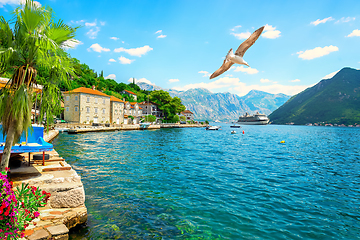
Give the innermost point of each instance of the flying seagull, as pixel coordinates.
(232, 58)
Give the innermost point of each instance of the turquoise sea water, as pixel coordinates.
(198, 184)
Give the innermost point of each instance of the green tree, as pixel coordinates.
(170, 106)
(120, 87)
(176, 118)
(183, 118)
(150, 118)
(35, 42)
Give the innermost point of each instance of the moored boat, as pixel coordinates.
(213, 127)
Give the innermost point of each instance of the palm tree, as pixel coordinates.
(35, 41)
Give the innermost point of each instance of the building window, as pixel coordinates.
(76, 109)
(87, 118)
(88, 109)
(76, 98)
(96, 100)
(67, 98)
(67, 109)
(96, 110)
(103, 101)
(87, 99)
(103, 110)
(103, 119)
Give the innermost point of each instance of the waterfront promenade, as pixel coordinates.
(74, 129)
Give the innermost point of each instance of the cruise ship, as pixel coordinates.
(256, 119)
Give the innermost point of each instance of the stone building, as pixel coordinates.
(116, 110)
(85, 105)
(188, 115)
(151, 108)
(132, 109)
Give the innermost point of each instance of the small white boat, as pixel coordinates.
(62, 129)
(233, 132)
(213, 128)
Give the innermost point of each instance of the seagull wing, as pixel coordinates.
(224, 67)
(249, 42)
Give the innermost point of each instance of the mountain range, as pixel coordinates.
(334, 100)
(223, 106)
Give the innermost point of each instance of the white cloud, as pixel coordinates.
(345, 19)
(114, 38)
(317, 52)
(247, 70)
(94, 29)
(355, 33)
(97, 48)
(270, 32)
(161, 35)
(135, 51)
(92, 33)
(236, 27)
(144, 80)
(206, 73)
(71, 44)
(243, 35)
(317, 22)
(241, 88)
(295, 80)
(93, 24)
(111, 76)
(174, 80)
(112, 60)
(330, 75)
(16, 2)
(76, 22)
(264, 80)
(124, 60)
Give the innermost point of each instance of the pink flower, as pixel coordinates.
(36, 214)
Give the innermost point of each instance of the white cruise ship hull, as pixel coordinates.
(253, 123)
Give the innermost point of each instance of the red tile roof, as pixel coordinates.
(88, 91)
(146, 103)
(114, 99)
(187, 111)
(130, 92)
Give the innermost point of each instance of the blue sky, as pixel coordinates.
(178, 44)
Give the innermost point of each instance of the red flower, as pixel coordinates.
(36, 214)
(7, 169)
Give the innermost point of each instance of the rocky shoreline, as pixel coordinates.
(66, 206)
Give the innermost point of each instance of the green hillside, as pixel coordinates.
(335, 100)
